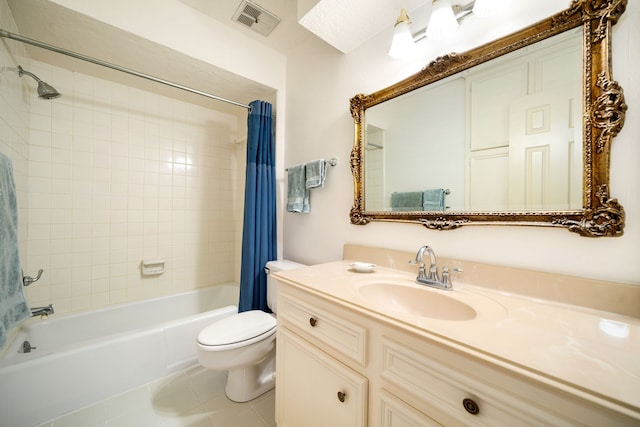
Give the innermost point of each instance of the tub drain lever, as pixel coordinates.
(27, 347)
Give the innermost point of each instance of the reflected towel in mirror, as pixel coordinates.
(433, 200)
(406, 201)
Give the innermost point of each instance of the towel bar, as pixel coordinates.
(331, 162)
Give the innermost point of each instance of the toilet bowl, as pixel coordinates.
(245, 345)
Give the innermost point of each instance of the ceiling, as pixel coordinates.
(343, 24)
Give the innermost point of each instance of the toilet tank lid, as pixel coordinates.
(237, 328)
(282, 265)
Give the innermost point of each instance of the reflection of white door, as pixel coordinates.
(543, 153)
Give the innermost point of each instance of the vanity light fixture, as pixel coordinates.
(444, 19)
(402, 43)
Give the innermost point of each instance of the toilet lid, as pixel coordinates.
(237, 328)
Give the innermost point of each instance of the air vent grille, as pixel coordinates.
(256, 18)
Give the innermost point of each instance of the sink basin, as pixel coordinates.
(415, 300)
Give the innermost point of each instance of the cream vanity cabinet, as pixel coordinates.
(342, 366)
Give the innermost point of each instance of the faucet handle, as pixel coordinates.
(27, 280)
(433, 273)
(446, 274)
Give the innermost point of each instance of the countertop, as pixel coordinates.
(590, 353)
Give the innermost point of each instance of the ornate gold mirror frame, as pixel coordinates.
(603, 117)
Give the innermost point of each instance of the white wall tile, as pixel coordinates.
(40, 122)
(111, 174)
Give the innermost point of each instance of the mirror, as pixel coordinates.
(516, 131)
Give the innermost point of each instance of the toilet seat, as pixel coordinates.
(237, 330)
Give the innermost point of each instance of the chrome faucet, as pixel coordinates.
(42, 311)
(432, 278)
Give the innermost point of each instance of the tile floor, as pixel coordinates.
(191, 398)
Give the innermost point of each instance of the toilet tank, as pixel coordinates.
(272, 287)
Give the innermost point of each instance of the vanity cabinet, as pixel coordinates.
(342, 365)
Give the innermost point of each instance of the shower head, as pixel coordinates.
(45, 90)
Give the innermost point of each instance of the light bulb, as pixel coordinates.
(402, 44)
(442, 21)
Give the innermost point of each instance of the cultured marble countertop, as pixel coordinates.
(592, 353)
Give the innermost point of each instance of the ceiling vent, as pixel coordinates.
(256, 18)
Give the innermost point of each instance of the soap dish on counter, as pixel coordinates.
(362, 267)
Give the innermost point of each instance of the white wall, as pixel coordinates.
(320, 82)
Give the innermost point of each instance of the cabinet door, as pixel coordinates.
(315, 390)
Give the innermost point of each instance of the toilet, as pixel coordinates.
(245, 345)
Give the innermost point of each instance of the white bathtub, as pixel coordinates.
(83, 358)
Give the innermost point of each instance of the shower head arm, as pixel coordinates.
(21, 72)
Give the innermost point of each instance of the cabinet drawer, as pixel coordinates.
(447, 387)
(321, 325)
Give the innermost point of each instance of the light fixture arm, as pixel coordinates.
(403, 18)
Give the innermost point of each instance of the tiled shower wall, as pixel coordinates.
(117, 175)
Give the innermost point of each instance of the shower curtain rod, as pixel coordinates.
(13, 36)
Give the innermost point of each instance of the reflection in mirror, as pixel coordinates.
(502, 136)
(517, 131)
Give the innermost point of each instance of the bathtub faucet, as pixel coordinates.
(42, 311)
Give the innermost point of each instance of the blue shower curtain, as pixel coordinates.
(259, 227)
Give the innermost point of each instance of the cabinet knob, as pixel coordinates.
(342, 396)
(471, 406)
(312, 321)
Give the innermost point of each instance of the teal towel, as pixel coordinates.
(297, 192)
(406, 201)
(433, 200)
(13, 305)
(316, 173)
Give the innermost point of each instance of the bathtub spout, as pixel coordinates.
(42, 311)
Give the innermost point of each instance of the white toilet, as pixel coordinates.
(245, 345)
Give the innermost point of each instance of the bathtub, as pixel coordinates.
(83, 358)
